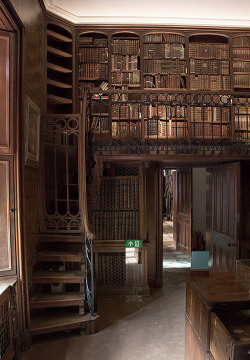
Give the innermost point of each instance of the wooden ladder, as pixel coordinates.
(58, 297)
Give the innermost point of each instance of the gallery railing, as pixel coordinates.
(142, 122)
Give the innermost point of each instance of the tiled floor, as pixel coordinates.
(131, 328)
(171, 257)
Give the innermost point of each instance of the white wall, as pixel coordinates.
(199, 200)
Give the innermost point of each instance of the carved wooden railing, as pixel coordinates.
(89, 236)
(149, 121)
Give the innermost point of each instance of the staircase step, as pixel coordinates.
(58, 320)
(65, 277)
(58, 256)
(60, 238)
(48, 300)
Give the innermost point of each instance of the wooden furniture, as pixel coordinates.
(207, 297)
(8, 320)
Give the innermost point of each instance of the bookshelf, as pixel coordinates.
(92, 62)
(241, 82)
(125, 61)
(210, 122)
(209, 62)
(59, 69)
(164, 61)
(117, 212)
(167, 120)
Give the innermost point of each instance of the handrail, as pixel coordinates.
(87, 230)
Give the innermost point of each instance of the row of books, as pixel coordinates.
(99, 123)
(124, 46)
(164, 37)
(90, 40)
(124, 62)
(242, 109)
(242, 134)
(209, 66)
(125, 129)
(243, 53)
(210, 114)
(93, 55)
(164, 51)
(209, 82)
(210, 51)
(125, 78)
(242, 80)
(119, 225)
(165, 66)
(165, 112)
(125, 111)
(119, 194)
(241, 66)
(242, 122)
(160, 128)
(96, 71)
(241, 41)
(164, 81)
(209, 130)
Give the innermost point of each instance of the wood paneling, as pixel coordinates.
(224, 199)
(182, 210)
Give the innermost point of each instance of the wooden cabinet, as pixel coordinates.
(230, 333)
(207, 298)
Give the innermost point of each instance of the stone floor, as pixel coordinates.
(131, 328)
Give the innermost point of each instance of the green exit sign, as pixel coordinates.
(134, 244)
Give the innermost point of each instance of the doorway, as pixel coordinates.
(173, 258)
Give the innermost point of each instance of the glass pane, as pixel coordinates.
(5, 255)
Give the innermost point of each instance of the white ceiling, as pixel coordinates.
(228, 13)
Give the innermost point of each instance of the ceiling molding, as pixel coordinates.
(52, 7)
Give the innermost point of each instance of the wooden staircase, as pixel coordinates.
(58, 297)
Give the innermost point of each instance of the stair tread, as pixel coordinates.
(46, 300)
(56, 320)
(58, 255)
(56, 297)
(58, 252)
(60, 238)
(58, 276)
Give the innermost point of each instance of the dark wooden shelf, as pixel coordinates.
(165, 58)
(159, 73)
(125, 71)
(130, 85)
(53, 99)
(58, 68)
(92, 79)
(164, 42)
(58, 37)
(241, 73)
(234, 59)
(58, 52)
(58, 84)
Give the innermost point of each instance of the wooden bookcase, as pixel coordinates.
(92, 61)
(241, 82)
(125, 61)
(164, 61)
(209, 62)
(59, 69)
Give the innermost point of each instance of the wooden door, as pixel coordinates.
(182, 194)
(7, 244)
(224, 217)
